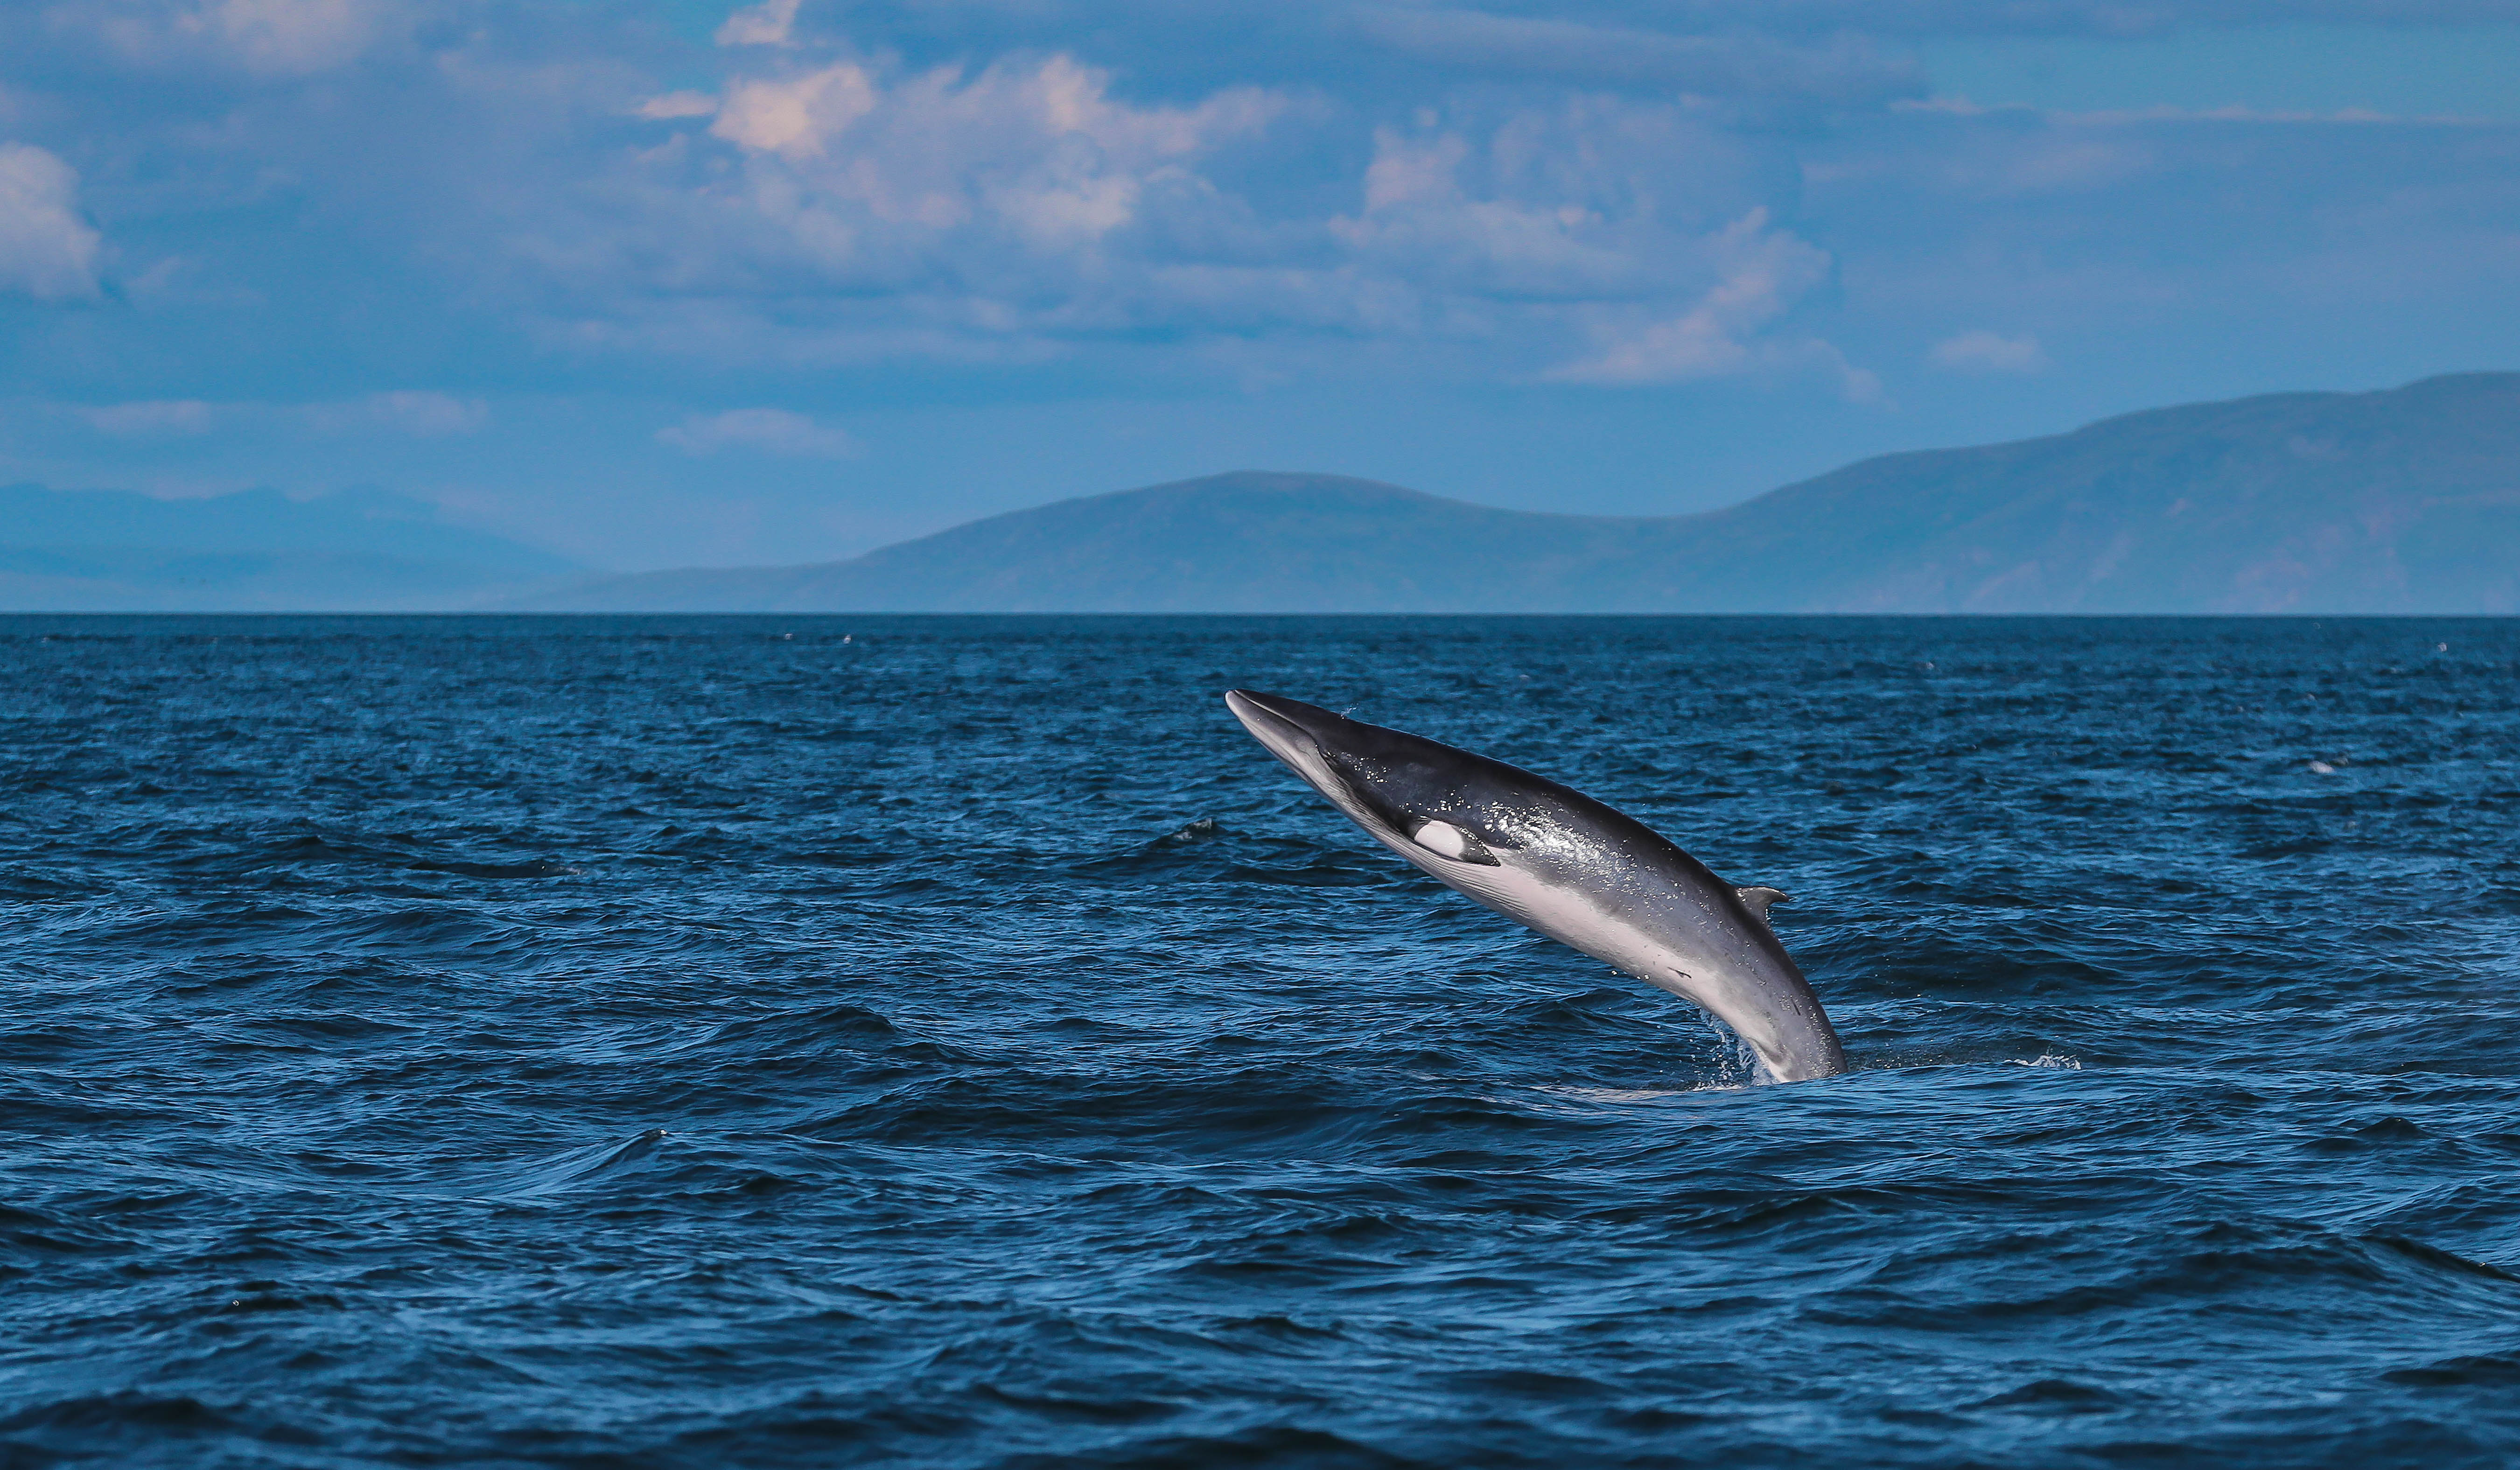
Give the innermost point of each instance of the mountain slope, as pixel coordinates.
(108, 550)
(2403, 501)
(1247, 542)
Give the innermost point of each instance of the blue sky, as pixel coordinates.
(661, 283)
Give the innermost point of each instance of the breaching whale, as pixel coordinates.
(1565, 865)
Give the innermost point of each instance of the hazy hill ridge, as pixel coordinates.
(254, 551)
(2401, 501)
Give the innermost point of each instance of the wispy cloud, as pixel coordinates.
(2170, 113)
(673, 104)
(761, 430)
(180, 415)
(261, 37)
(765, 25)
(1983, 351)
(413, 414)
(1762, 273)
(47, 249)
(420, 414)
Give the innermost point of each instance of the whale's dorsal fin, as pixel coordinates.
(1756, 898)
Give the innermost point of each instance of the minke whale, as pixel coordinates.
(1565, 865)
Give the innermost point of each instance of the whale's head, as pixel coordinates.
(1426, 801)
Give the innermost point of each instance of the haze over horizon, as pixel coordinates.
(657, 283)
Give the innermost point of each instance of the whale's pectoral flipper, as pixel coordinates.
(1568, 866)
(1443, 839)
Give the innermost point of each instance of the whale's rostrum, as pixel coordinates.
(1569, 867)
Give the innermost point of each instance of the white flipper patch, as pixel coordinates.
(1446, 840)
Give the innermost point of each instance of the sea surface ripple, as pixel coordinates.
(822, 1041)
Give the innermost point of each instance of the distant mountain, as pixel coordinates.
(1247, 542)
(2403, 501)
(110, 550)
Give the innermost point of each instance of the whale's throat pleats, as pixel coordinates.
(1358, 779)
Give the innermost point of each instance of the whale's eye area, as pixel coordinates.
(1446, 840)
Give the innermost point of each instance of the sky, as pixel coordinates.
(660, 282)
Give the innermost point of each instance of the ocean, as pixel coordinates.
(819, 1040)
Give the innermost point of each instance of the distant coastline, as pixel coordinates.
(2404, 501)
(2400, 501)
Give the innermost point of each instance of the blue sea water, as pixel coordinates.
(857, 1041)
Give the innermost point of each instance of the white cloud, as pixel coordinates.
(1038, 150)
(678, 105)
(1552, 213)
(1763, 271)
(1411, 171)
(763, 430)
(293, 36)
(841, 212)
(46, 249)
(765, 25)
(185, 416)
(1983, 351)
(429, 415)
(264, 38)
(797, 116)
